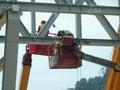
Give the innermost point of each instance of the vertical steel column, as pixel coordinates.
(119, 6)
(11, 51)
(78, 26)
(33, 22)
(78, 21)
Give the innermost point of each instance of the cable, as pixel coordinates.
(79, 74)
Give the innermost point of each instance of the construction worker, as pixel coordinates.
(41, 26)
(56, 46)
(56, 51)
(64, 33)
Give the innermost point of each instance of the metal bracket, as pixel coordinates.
(15, 8)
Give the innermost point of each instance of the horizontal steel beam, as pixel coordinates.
(60, 1)
(98, 42)
(38, 40)
(59, 8)
(88, 42)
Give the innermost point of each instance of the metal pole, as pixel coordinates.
(33, 21)
(78, 26)
(119, 19)
(11, 51)
(78, 21)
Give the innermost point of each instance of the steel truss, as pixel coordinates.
(11, 10)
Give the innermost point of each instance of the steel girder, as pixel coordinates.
(104, 22)
(56, 8)
(60, 8)
(11, 44)
(51, 20)
(86, 42)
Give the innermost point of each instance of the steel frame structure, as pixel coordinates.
(11, 10)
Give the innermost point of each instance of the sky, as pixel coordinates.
(43, 78)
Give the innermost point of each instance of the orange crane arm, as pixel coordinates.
(25, 71)
(114, 77)
(25, 78)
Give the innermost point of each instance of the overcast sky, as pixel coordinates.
(43, 78)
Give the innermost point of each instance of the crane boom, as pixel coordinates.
(26, 70)
(98, 60)
(64, 55)
(114, 77)
(114, 65)
(25, 77)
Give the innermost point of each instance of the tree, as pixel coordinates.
(70, 89)
(81, 85)
(95, 83)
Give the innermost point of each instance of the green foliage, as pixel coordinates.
(81, 85)
(95, 83)
(70, 89)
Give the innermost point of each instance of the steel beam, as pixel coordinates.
(119, 6)
(23, 30)
(78, 20)
(104, 22)
(79, 2)
(48, 24)
(78, 26)
(53, 17)
(38, 40)
(60, 1)
(33, 22)
(61, 8)
(87, 42)
(51, 20)
(12, 0)
(98, 42)
(11, 51)
(69, 1)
